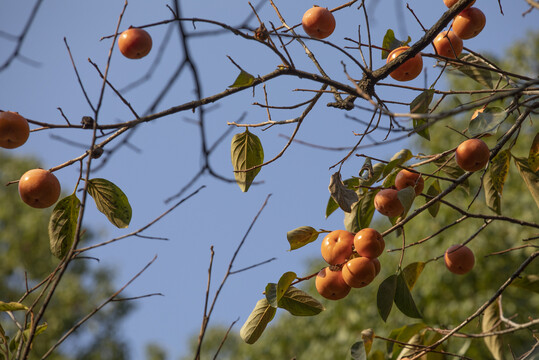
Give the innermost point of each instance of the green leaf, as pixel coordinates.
(62, 225)
(420, 105)
(299, 303)
(357, 351)
(488, 121)
(398, 159)
(404, 300)
(343, 196)
(243, 79)
(482, 76)
(434, 190)
(362, 212)
(12, 306)
(391, 43)
(111, 201)
(491, 316)
(411, 273)
(284, 283)
(533, 157)
(406, 197)
(386, 295)
(301, 236)
(530, 177)
(256, 323)
(246, 152)
(331, 207)
(528, 282)
(271, 294)
(494, 180)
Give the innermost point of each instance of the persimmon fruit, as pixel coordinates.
(450, 3)
(135, 43)
(336, 247)
(387, 203)
(407, 178)
(448, 44)
(318, 22)
(39, 188)
(330, 283)
(469, 23)
(459, 259)
(410, 69)
(14, 130)
(360, 271)
(472, 155)
(369, 243)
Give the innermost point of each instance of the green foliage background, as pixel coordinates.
(24, 251)
(445, 299)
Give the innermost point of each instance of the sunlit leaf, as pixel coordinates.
(491, 317)
(404, 300)
(367, 336)
(243, 79)
(284, 283)
(111, 201)
(528, 282)
(246, 152)
(299, 303)
(62, 225)
(398, 159)
(257, 321)
(420, 105)
(411, 273)
(494, 180)
(12, 306)
(391, 43)
(343, 196)
(533, 157)
(530, 177)
(434, 190)
(301, 236)
(386, 296)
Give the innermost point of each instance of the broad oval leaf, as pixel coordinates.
(530, 177)
(434, 190)
(62, 225)
(257, 321)
(533, 157)
(332, 205)
(491, 317)
(391, 43)
(243, 79)
(398, 159)
(301, 236)
(284, 283)
(246, 152)
(411, 273)
(299, 303)
(111, 201)
(406, 197)
(488, 121)
(271, 294)
(343, 196)
(386, 295)
(482, 76)
(404, 300)
(362, 212)
(494, 180)
(12, 306)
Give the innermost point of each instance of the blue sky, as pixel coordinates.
(166, 153)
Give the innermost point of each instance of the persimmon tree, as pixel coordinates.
(506, 101)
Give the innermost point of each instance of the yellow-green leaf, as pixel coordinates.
(391, 43)
(243, 79)
(533, 158)
(256, 323)
(530, 177)
(246, 152)
(491, 317)
(12, 306)
(62, 225)
(301, 236)
(111, 201)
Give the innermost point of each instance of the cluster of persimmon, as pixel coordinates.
(466, 25)
(353, 261)
(38, 188)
